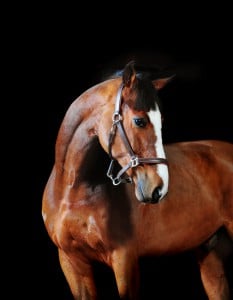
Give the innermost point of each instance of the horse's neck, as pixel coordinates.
(77, 143)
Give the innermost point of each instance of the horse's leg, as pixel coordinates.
(79, 277)
(126, 270)
(213, 275)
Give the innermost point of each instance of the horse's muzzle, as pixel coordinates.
(144, 191)
(156, 196)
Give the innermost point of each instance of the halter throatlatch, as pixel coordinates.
(134, 159)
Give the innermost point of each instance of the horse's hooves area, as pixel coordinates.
(162, 278)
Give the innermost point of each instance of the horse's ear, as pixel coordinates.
(161, 82)
(129, 74)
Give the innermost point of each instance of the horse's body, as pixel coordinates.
(89, 219)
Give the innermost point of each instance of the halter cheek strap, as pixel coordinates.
(134, 159)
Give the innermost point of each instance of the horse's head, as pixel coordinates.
(134, 138)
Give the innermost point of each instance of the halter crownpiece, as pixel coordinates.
(134, 159)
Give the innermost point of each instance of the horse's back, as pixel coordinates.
(203, 158)
(220, 151)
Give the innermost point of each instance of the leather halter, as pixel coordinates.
(134, 159)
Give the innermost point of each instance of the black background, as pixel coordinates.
(62, 51)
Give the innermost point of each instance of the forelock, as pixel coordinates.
(147, 96)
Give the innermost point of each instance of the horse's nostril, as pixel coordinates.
(156, 195)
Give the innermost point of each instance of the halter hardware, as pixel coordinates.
(134, 159)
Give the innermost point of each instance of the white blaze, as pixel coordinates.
(155, 118)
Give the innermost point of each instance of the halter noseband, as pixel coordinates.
(134, 159)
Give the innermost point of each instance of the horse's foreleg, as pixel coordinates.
(126, 270)
(79, 277)
(213, 275)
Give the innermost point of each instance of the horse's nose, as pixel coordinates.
(156, 195)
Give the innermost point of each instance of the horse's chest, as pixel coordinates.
(84, 229)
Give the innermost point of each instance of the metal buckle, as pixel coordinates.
(134, 161)
(116, 181)
(116, 117)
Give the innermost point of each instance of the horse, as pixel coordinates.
(116, 193)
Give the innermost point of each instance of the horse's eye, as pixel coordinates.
(140, 122)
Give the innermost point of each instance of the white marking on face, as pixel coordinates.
(156, 120)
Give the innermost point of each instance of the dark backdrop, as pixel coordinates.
(64, 58)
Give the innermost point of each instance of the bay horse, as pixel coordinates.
(116, 193)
